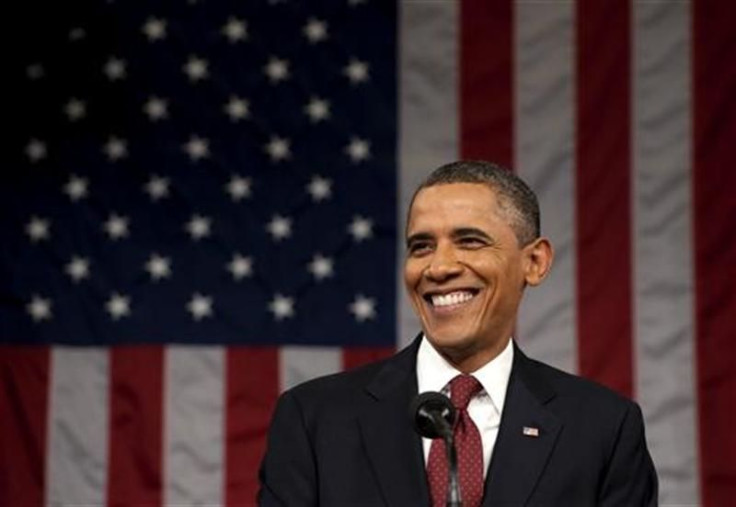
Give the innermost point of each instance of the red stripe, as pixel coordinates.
(714, 181)
(486, 80)
(252, 389)
(24, 379)
(136, 401)
(358, 356)
(604, 288)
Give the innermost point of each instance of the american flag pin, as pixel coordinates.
(530, 432)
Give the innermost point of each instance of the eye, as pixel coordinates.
(471, 242)
(418, 248)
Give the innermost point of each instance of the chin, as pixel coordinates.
(449, 340)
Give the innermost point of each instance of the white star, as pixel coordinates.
(77, 269)
(240, 267)
(282, 307)
(157, 187)
(319, 188)
(116, 227)
(317, 109)
(38, 229)
(154, 29)
(39, 308)
(156, 108)
(279, 227)
(118, 306)
(35, 71)
(356, 71)
(158, 267)
(237, 108)
(200, 306)
(197, 148)
(238, 187)
(114, 69)
(196, 69)
(315, 30)
(363, 308)
(199, 227)
(235, 30)
(36, 150)
(278, 148)
(277, 70)
(115, 148)
(76, 188)
(321, 267)
(358, 150)
(361, 228)
(77, 33)
(75, 109)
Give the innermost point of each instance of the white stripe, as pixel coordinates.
(428, 102)
(78, 427)
(664, 315)
(299, 364)
(544, 156)
(194, 426)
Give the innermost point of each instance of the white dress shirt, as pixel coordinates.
(485, 408)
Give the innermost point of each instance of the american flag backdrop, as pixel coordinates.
(202, 204)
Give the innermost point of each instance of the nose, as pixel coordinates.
(443, 265)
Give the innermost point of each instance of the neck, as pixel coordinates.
(468, 361)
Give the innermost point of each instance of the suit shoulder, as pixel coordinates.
(357, 379)
(566, 384)
(337, 391)
(336, 382)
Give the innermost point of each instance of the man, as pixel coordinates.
(529, 434)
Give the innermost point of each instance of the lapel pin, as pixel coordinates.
(530, 432)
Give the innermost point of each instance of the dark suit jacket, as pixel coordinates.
(347, 440)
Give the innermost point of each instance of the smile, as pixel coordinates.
(455, 298)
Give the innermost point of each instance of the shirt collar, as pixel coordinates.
(434, 372)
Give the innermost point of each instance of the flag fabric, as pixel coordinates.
(203, 205)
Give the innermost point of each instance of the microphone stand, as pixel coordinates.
(453, 485)
(433, 415)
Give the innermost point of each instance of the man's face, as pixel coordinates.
(465, 271)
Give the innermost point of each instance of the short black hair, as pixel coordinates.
(517, 201)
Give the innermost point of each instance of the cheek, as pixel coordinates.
(500, 281)
(412, 274)
(488, 269)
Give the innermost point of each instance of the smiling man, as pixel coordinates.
(526, 433)
(471, 252)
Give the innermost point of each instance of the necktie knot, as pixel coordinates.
(462, 389)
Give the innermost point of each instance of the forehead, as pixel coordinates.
(453, 203)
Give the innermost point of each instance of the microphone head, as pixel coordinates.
(431, 414)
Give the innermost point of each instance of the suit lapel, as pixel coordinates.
(520, 454)
(393, 448)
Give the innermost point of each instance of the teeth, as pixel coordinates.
(453, 298)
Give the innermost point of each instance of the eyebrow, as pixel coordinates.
(456, 233)
(470, 231)
(420, 236)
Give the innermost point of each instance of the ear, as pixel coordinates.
(538, 261)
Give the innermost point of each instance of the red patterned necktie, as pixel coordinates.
(469, 450)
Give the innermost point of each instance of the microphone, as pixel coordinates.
(433, 415)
